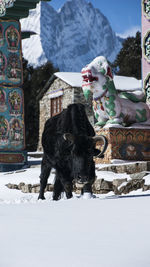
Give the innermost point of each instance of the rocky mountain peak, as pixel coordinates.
(69, 38)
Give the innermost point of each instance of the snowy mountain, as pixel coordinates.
(69, 38)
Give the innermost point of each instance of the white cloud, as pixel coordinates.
(130, 32)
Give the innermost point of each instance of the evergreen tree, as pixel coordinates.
(34, 89)
(128, 61)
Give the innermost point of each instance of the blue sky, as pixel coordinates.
(123, 15)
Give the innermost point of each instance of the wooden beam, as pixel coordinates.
(14, 17)
(34, 1)
(17, 12)
(25, 35)
(24, 4)
(21, 9)
(31, 1)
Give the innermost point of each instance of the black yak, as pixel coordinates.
(69, 143)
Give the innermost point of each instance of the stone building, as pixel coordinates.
(63, 89)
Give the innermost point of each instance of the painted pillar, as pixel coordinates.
(12, 132)
(146, 48)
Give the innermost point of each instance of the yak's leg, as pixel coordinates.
(62, 183)
(87, 188)
(68, 189)
(58, 188)
(45, 172)
(87, 191)
(67, 184)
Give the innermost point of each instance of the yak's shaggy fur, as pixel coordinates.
(69, 149)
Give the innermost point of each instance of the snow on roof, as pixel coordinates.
(127, 83)
(72, 78)
(121, 82)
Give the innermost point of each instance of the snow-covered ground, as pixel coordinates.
(106, 231)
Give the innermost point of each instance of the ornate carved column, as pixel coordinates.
(146, 48)
(12, 133)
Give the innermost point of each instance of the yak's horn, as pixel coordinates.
(105, 143)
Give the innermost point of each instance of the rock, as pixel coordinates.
(77, 187)
(49, 187)
(138, 175)
(102, 186)
(97, 184)
(27, 188)
(20, 185)
(132, 185)
(128, 168)
(118, 182)
(35, 188)
(146, 187)
(12, 186)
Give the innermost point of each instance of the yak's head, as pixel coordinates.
(94, 76)
(83, 150)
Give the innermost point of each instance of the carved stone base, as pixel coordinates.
(126, 144)
(10, 160)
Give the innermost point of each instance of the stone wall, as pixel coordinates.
(100, 186)
(136, 179)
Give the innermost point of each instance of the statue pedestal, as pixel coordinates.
(12, 160)
(126, 144)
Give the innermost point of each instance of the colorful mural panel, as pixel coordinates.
(1, 35)
(13, 157)
(4, 131)
(146, 46)
(15, 102)
(11, 119)
(10, 53)
(3, 105)
(146, 8)
(147, 88)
